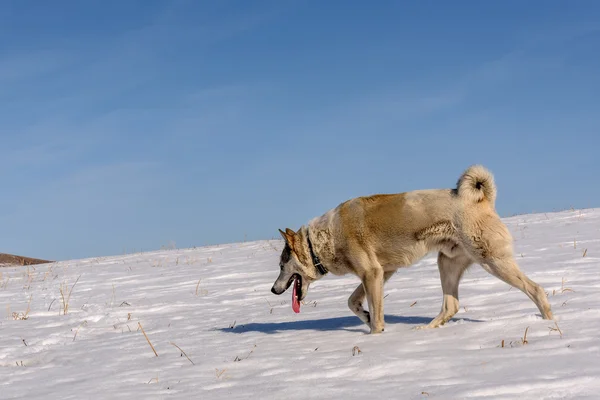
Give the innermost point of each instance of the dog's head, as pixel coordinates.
(295, 263)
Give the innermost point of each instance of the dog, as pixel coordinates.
(373, 236)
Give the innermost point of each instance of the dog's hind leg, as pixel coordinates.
(355, 301)
(451, 270)
(507, 270)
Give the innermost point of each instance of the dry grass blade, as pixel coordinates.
(28, 307)
(220, 372)
(146, 336)
(198, 286)
(50, 306)
(62, 296)
(271, 307)
(237, 358)
(63, 289)
(413, 304)
(183, 352)
(73, 287)
(557, 329)
(22, 316)
(584, 252)
(356, 351)
(84, 323)
(524, 338)
(563, 288)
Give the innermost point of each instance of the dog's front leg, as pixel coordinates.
(373, 284)
(355, 302)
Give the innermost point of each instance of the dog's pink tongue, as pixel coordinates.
(295, 301)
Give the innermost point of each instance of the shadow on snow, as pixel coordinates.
(328, 324)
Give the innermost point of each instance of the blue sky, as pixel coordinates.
(127, 125)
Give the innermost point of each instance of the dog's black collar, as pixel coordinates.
(315, 259)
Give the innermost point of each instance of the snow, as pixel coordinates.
(215, 304)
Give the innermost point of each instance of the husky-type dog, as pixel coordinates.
(371, 237)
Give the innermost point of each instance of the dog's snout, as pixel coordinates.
(274, 291)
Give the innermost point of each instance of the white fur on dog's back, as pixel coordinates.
(477, 184)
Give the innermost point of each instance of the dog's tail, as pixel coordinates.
(476, 184)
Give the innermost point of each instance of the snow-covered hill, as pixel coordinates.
(214, 304)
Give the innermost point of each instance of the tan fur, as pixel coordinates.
(371, 237)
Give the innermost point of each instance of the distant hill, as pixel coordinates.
(9, 259)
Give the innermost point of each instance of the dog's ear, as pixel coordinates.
(283, 235)
(288, 236)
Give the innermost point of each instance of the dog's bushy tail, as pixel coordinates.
(476, 184)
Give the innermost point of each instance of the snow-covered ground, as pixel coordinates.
(215, 304)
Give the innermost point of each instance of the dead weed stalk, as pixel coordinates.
(66, 297)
